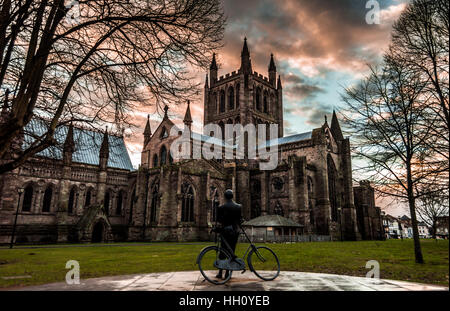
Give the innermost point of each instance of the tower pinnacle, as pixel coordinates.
(187, 117)
(272, 71)
(246, 63)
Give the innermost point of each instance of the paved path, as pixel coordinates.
(193, 281)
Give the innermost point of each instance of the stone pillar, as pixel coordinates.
(292, 186)
(323, 207)
(37, 204)
(63, 203)
(179, 195)
(243, 191)
(81, 199)
(168, 215)
(301, 211)
(349, 220)
(202, 208)
(265, 193)
(135, 231)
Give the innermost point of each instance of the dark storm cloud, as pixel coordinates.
(301, 91)
(311, 41)
(291, 78)
(319, 111)
(325, 29)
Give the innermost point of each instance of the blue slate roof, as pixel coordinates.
(287, 139)
(273, 142)
(87, 145)
(210, 139)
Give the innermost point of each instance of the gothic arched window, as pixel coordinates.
(155, 160)
(106, 202)
(71, 203)
(230, 98)
(278, 210)
(258, 99)
(87, 201)
(133, 197)
(332, 175)
(256, 211)
(272, 104)
(164, 133)
(222, 101)
(27, 198)
(47, 202)
(266, 105)
(154, 202)
(163, 155)
(215, 205)
(310, 187)
(187, 205)
(222, 128)
(238, 90)
(119, 203)
(256, 187)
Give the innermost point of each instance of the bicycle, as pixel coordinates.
(261, 260)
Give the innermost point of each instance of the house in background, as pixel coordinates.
(442, 227)
(391, 226)
(424, 231)
(401, 227)
(405, 227)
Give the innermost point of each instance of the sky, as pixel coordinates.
(320, 48)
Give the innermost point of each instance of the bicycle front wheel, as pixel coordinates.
(264, 263)
(209, 259)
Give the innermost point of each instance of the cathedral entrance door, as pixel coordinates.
(97, 233)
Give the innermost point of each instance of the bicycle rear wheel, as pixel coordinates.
(264, 263)
(209, 260)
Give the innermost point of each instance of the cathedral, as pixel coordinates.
(86, 190)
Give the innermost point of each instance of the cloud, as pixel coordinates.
(312, 42)
(301, 91)
(317, 114)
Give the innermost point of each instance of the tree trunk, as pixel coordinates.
(412, 210)
(434, 229)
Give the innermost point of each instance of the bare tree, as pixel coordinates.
(94, 62)
(421, 39)
(399, 115)
(387, 130)
(432, 206)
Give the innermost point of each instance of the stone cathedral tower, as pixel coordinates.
(244, 96)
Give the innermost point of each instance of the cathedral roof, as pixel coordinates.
(288, 139)
(87, 145)
(271, 221)
(210, 139)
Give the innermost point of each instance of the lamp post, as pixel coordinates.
(20, 191)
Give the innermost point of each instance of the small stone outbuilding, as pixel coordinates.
(272, 226)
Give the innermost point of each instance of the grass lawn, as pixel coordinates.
(396, 258)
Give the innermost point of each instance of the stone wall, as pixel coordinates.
(57, 224)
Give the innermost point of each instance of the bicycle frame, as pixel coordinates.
(249, 248)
